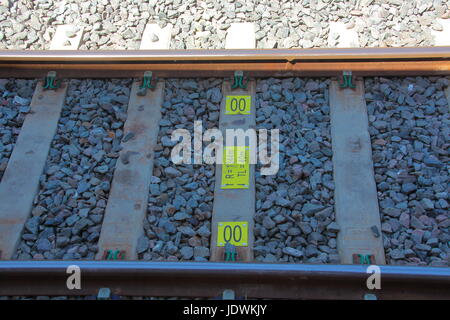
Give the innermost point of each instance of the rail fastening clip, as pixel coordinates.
(363, 258)
(114, 255)
(347, 80)
(239, 80)
(230, 252)
(147, 81)
(51, 83)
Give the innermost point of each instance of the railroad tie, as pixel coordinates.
(26, 164)
(234, 201)
(355, 194)
(127, 204)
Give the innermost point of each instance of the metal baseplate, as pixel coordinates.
(238, 80)
(347, 80)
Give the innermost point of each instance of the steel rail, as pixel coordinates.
(222, 63)
(228, 54)
(195, 279)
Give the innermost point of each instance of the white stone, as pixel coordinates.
(348, 38)
(60, 39)
(163, 34)
(241, 36)
(442, 38)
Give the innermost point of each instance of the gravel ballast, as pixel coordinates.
(294, 219)
(114, 24)
(177, 226)
(68, 210)
(410, 130)
(15, 99)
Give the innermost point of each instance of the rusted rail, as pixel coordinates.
(191, 279)
(222, 63)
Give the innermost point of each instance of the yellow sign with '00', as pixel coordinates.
(236, 168)
(238, 104)
(235, 233)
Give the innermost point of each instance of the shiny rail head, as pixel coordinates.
(290, 55)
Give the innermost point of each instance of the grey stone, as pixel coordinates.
(187, 253)
(333, 227)
(32, 225)
(293, 252)
(310, 208)
(142, 244)
(186, 230)
(268, 223)
(172, 172)
(202, 252)
(427, 204)
(80, 226)
(43, 245)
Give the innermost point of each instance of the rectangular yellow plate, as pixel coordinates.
(235, 168)
(238, 104)
(236, 233)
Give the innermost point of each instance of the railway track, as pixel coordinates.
(358, 172)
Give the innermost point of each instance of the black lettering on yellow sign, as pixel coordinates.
(232, 233)
(235, 233)
(238, 104)
(236, 170)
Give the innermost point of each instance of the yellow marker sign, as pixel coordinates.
(236, 233)
(236, 168)
(238, 104)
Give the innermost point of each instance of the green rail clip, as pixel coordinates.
(147, 83)
(239, 80)
(230, 252)
(347, 80)
(363, 258)
(114, 255)
(51, 83)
